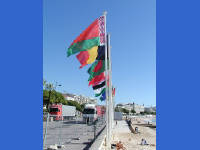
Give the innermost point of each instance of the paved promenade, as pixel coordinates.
(74, 135)
(121, 132)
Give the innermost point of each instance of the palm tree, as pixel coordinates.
(44, 83)
(49, 87)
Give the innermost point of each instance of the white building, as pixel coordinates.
(81, 99)
(150, 109)
(68, 96)
(138, 108)
(130, 106)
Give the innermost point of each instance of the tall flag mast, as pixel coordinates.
(93, 47)
(107, 86)
(109, 102)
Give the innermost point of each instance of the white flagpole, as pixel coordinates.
(110, 87)
(106, 74)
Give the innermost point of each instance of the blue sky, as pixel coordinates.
(132, 25)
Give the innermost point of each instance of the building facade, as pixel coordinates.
(130, 106)
(150, 109)
(81, 99)
(138, 108)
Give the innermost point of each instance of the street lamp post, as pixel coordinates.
(55, 89)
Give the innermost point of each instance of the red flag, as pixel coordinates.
(113, 92)
(97, 79)
(92, 36)
(83, 57)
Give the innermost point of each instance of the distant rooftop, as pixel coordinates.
(73, 95)
(68, 95)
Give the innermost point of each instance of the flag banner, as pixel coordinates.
(103, 96)
(93, 36)
(113, 91)
(90, 49)
(99, 91)
(87, 57)
(97, 79)
(101, 53)
(100, 85)
(96, 69)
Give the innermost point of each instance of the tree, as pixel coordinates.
(55, 97)
(149, 113)
(142, 113)
(44, 83)
(50, 95)
(51, 89)
(76, 104)
(119, 105)
(133, 111)
(124, 110)
(82, 106)
(117, 109)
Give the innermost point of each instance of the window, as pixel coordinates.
(88, 111)
(54, 110)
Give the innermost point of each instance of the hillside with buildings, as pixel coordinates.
(136, 108)
(81, 99)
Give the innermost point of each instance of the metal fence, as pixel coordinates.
(71, 132)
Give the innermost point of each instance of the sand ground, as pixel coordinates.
(131, 141)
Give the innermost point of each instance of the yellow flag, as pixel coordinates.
(92, 54)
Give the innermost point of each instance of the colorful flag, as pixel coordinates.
(99, 91)
(113, 91)
(94, 35)
(87, 57)
(103, 96)
(97, 79)
(101, 53)
(96, 69)
(90, 45)
(100, 85)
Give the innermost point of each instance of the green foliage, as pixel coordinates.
(65, 102)
(142, 113)
(119, 105)
(150, 113)
(76, 104)
(147, 113)
(117, 109)
(153, 113)
(55, 97)
(124, 111)
(133, 111)
(44, 83)
(45, 94)
(45, 110)
(59, 98)
(82, 106)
